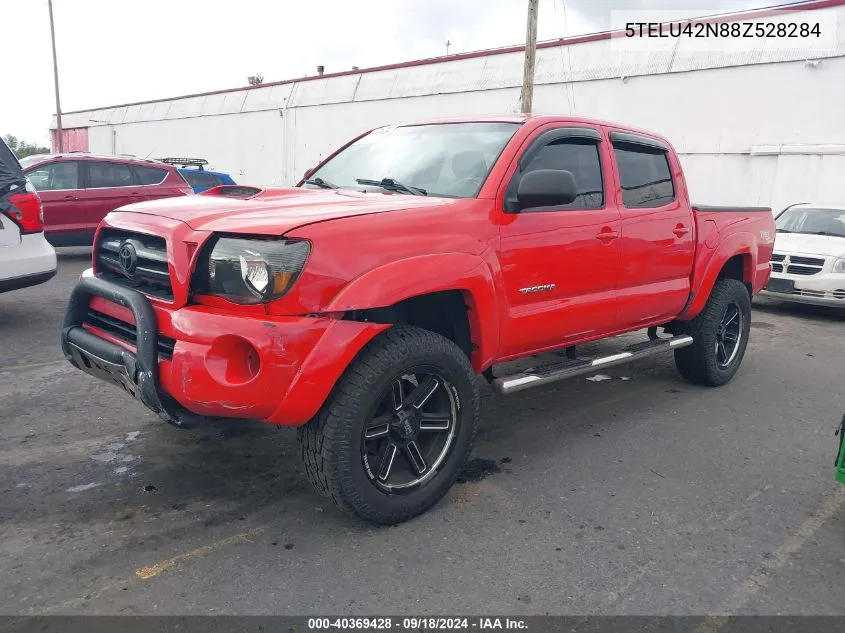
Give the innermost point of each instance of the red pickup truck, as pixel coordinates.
(362, 304)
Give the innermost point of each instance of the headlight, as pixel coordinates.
(839, 265)
(249, 270)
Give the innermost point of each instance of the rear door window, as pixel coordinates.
(149, 175)
(645, 175)
(109, 175)
(55, 176)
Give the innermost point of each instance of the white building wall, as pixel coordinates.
(753, 125)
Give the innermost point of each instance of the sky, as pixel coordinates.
(120, 51)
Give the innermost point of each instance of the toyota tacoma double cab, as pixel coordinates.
(363, 304)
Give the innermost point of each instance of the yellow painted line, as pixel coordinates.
(764, 573)
(145, 573)
(614, 596)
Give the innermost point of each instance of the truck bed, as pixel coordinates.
(713, 208)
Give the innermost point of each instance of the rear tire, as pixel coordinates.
(386, 462)
(720, 336)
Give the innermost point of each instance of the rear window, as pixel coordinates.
(149, 175)
(109, 175)
(645, 175)
(200, 178)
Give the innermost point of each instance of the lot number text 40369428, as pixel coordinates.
(417, 624)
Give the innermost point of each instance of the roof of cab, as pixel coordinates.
(535, 119)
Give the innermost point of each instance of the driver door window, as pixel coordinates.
(55, 176)
(575, 155)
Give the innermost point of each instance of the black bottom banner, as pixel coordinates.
(407, 624)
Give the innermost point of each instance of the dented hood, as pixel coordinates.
(276, 211)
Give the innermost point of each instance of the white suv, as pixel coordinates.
(26, 258)
(808, 265)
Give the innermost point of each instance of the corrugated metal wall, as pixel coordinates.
(717, 105)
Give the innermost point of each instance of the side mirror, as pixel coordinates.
(308, 173)
(546, 188)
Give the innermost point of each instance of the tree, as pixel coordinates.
(22, 149)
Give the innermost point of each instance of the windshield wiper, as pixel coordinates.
(783, 231)
(392, 184)
(322, 184)
(828, 233)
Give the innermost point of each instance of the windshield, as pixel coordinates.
(812, 221)
(449, 160)
(31, 160)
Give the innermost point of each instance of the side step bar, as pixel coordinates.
(570, 368)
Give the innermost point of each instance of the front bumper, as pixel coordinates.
(196, 362)
(815, 300)
(825, 289)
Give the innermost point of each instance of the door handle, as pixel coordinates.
(607, 235)
(680, 230)
(69, 197)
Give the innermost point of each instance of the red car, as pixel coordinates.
(78, 190)
(362, 305)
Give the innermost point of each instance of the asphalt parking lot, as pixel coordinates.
(640, 494)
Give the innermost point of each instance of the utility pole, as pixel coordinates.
(448, 44)
(61, 141)
(530, 55)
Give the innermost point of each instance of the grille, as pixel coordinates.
(818, 294)
(127, 332)
(796, 264)
(802, 270)
(151, 275)
(808, 261)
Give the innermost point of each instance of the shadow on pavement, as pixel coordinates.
(802, 310)
(71, 253)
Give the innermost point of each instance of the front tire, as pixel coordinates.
(397, 428)
(720, 336)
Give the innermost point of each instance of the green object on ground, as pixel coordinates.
(840, 461)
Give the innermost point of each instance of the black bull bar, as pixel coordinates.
(136, 373)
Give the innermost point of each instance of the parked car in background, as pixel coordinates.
(193, 170)
(26, 259)
(808, 265)
(79, 189)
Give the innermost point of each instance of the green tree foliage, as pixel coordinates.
(22, 149)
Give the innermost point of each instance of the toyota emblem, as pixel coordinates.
(128, 258)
